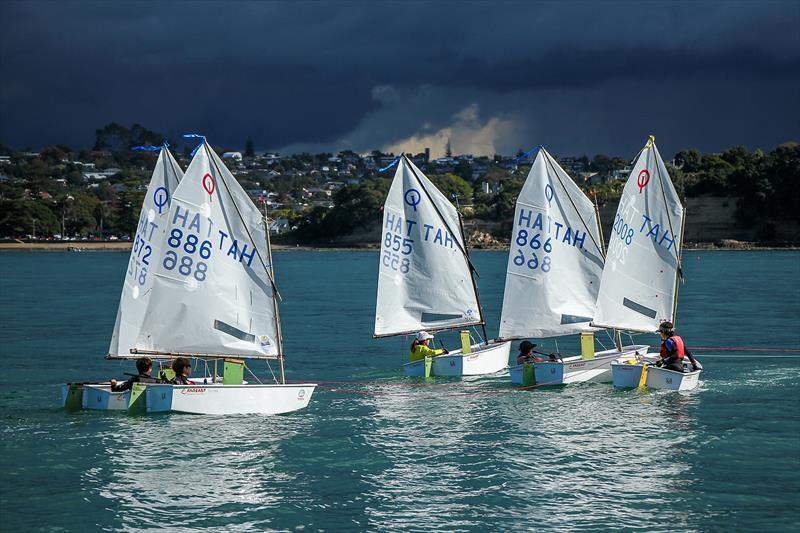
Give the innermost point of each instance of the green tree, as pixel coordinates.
(17, 218)
(453, 186)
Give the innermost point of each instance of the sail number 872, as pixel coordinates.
(185, 263)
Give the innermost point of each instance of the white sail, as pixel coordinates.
(424, 279)
(555, 260)
(148, 247)
(638, 287)
(213, 292)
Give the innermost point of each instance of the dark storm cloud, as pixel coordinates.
(312, 74)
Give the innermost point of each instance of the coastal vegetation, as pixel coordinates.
(62, 192)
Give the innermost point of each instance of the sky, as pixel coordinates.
(489, 76)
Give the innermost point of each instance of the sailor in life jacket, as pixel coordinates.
(420, 347)
(673, 350)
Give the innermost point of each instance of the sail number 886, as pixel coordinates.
(185, 263)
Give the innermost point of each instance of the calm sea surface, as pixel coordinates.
(457, 456)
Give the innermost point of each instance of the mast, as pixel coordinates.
(678, 271)
(275, 308)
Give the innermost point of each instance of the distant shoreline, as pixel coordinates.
(118, 246)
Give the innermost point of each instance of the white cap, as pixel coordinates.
(423, 336)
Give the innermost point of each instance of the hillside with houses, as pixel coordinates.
(335, 199)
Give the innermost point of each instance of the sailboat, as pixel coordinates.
(138, 285)
(425, 279)
(639, 288)
(554, 267)
(214, 299)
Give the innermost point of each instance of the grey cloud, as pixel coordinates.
(304, 73)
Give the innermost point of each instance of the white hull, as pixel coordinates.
(627, 376)
(482, 360)
(218, 399)
(577, 370)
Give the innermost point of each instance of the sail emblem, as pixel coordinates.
(209, 185)
(642, 180)
(413, 198)
(549, 193)
(161, 198)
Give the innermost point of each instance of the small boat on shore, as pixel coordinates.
(425, 279)
(554, 267)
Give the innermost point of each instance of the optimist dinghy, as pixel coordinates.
(554, 267)
(138, 285)
(643, 374)
(639, 288)
(425, 279)
(214, 299)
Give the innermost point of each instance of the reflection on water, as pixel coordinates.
(176, 469)
(583, 456)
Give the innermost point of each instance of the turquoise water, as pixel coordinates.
(459, 456)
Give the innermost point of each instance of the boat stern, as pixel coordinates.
(101, 398)
(626, 375)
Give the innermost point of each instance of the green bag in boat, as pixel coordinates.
(528, 374)
(137, 405)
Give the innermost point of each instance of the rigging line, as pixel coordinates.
(599, 222)
(586, 226)
(664, 196)
(642, 149)
(743, 349)
(246, 228)
(273, 373)
(441, 217)
(474, 285)
(750, 357)
(365, 383)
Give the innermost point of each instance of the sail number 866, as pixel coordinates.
(535, 243)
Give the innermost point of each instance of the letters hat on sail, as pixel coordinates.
(423, 336)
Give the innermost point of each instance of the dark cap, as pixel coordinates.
(526, 346)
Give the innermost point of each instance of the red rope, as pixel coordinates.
(742, 349)
(375, 383)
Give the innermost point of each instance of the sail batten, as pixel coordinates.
(639, 285)
(555, 260)
(146, 253)
(425, 279)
